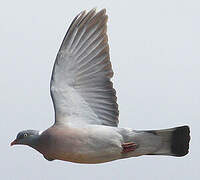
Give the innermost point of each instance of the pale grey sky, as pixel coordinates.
(154, 47)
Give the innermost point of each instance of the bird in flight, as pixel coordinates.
(86, 112)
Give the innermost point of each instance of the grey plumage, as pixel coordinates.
(86, 110)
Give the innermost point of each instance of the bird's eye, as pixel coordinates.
(25, 134)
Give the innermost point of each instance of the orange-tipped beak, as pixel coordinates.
(13, 143)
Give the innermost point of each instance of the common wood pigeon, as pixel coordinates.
(86, 113)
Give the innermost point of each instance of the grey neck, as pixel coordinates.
(34, 141)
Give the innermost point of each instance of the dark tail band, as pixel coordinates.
(180, 141)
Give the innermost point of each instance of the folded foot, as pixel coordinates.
(128, 147)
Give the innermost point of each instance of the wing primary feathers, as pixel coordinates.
(72, 31)
(90, 32)
(81, 28)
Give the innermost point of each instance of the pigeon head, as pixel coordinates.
(26, 137)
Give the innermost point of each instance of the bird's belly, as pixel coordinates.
(87, 153)
(86, 148)
(85, 145)
(87, 158)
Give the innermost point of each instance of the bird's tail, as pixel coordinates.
(175, 141)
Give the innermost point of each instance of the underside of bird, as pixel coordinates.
(120, 143)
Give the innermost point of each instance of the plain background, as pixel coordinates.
(154, 47)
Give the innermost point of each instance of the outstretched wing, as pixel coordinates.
(81, 89)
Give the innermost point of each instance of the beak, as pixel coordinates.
(14, 142)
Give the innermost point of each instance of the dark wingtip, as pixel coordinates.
(180, 141)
